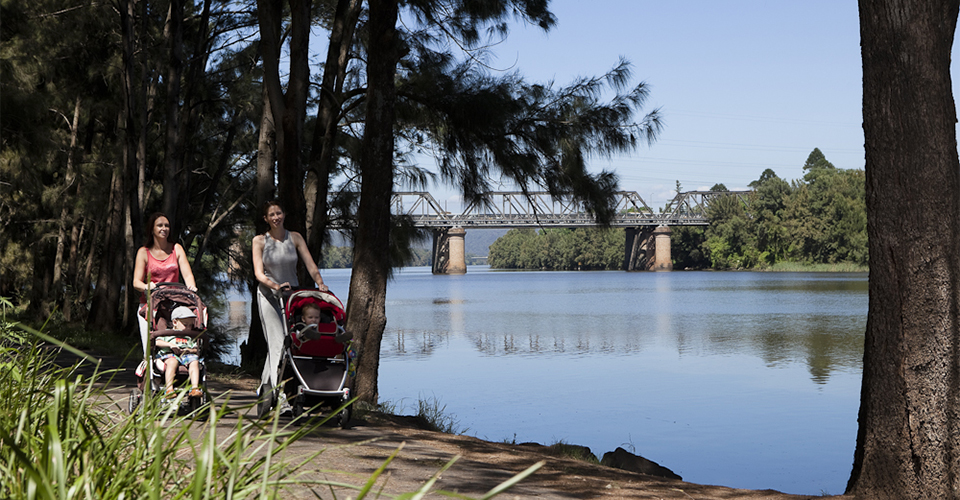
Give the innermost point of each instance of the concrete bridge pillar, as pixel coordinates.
(449, 256)
(647, 249)
(638, 248)
(662, 258)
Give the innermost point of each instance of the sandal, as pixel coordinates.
(170, 394)
(195, 392)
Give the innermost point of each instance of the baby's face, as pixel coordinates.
(183, 323)
(311, 316)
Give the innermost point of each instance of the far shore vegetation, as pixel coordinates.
(814, 224)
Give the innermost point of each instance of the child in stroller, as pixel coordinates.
(162, 317)
(316, 363)
(177, 351)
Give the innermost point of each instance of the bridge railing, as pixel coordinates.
(539, 209)
(692, 205)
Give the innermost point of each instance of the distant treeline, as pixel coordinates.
(820, 219)
(342, 258)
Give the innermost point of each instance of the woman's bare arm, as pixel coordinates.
(307, 259)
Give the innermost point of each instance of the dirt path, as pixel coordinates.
(352, 455)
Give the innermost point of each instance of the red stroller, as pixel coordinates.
(317, 358)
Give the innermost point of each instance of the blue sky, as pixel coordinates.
(742, 85)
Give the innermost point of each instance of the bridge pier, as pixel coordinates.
(449, 256)
(638, 248)
(647, 249)
(662, 259)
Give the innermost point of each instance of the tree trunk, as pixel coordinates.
(322, 157)
(289, 110)
(197, 44)
(908, 444)
(253, 355)
(173, 152)
(76, 233)
(106, 295)
(84, 280)
(366, 307)
(65, 207)
(266, 159)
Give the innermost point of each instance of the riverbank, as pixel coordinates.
(353, 455)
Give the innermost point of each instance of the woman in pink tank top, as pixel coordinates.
(163, 260)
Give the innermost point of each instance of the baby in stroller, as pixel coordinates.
(175, 351)
(177, 319)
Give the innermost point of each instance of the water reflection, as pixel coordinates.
(823, 351)
(814, 319)
(817, 320)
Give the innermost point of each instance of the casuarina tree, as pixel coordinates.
(482, 127)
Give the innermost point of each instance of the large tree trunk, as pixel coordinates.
(196, 42)
(366, 307)
(908, 444)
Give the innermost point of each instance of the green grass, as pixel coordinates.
(798, 267)
(575, 452)
(430, 414)
(63, 437)
(436, 417)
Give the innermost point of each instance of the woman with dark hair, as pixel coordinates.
(162, 260)
(275, 257)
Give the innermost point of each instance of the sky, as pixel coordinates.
(741, 85)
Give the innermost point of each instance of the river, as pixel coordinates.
(743, 379)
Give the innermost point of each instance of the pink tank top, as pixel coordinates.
(163, 271)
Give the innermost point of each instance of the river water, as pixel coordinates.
(743, 379)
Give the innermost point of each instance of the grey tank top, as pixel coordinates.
(280, 260)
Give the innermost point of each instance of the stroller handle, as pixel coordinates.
(168, 284)
(285, 292)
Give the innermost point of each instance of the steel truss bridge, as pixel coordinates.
(647, 233)
(539, 209)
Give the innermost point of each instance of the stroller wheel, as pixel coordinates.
(343, 418)
(266, 400)
(297, 409)
(134, 401)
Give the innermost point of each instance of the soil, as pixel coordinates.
(351, 455)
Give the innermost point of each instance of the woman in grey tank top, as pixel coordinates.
(275, 256)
